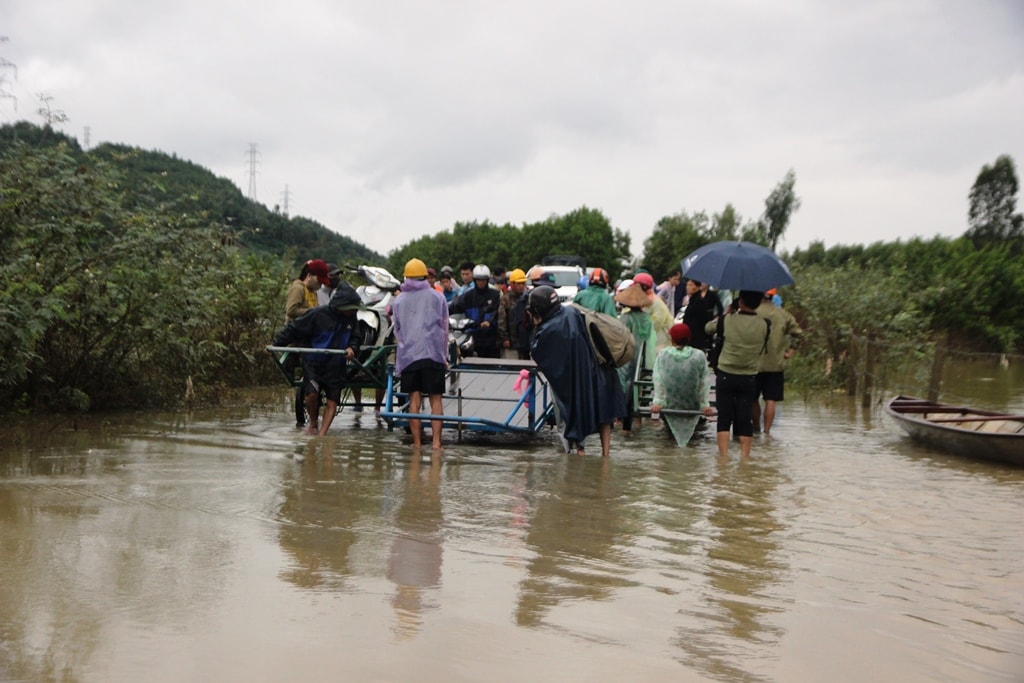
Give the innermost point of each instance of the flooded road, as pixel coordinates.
(227, 546)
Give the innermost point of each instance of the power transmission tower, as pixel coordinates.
(285, 196)
(4, 64)
(86, 138)
(253, 156)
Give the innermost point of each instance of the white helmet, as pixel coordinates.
(481, 272)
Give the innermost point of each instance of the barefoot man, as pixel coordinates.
(421, 330)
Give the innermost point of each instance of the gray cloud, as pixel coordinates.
(385, 119)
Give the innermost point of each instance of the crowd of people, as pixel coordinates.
(518, 315)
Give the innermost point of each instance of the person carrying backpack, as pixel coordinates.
(745, 339)
(588, 394)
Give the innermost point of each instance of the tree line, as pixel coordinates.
(589, 234)
(133, 278)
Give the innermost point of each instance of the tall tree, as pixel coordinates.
(725, 225)
(672, 239)
(778, 208)
(992, 215)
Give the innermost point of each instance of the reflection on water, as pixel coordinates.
(742, 561)
(226, 545)
(576, 526)
(984, 382)
(320, 511)
(414, 565)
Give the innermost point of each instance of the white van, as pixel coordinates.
(566, 280)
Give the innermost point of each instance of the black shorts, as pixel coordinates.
(426, 377)
(734, 398)
(314, 385)
(770, 386)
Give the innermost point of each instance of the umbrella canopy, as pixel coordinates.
(736, 265)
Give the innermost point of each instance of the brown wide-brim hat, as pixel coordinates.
(633, 297)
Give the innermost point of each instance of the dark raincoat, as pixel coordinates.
(480, 304)
(324, 327)
(587, 395)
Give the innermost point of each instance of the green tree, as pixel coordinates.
(676, 236)
(672, 239)
(992, 214)
(778, 209)
(725, 226)
(584, 232)
(833, 304)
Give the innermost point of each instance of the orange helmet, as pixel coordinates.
(599, 277)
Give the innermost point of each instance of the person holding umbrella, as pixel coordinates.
(752, 269)
(746, 337)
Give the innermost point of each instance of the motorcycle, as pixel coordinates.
(374, 330)
(460, 339)
(460, 345)
(375, 327)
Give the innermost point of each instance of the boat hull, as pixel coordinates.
(966, 432)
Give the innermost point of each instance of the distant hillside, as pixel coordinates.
(153, 178)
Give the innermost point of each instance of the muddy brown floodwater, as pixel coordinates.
(224, 545)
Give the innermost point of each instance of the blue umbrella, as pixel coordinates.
(736, 265)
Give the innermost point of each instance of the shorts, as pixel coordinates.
(313, 385)
(328, 378)
(770, 385)
(734, 398)
(425, 377)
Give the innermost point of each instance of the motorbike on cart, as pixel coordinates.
(375, 330)
(375, 334)
(460, 338)
(377, 292)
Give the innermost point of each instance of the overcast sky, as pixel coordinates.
(387, 120)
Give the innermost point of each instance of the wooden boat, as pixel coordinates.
(968, 432)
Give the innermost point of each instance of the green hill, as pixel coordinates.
(131, 278)
(152, 179)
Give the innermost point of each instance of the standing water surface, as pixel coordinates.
(226, 545)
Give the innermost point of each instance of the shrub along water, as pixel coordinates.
(122, 284)
(106, 302)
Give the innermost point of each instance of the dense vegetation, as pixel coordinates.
(584, 232)
(958, 292)
(132, 278)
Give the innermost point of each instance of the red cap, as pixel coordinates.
(318, 267)
(679, 332)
